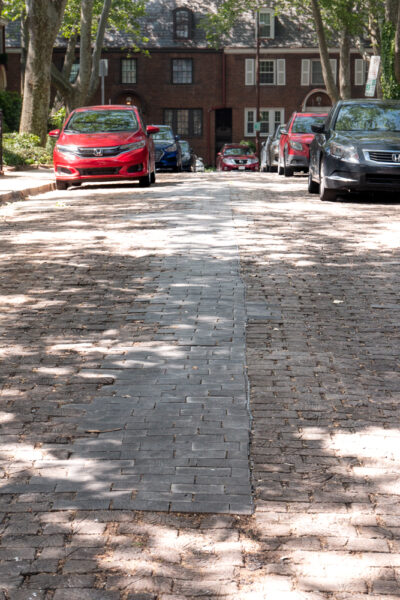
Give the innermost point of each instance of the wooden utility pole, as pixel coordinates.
(257, 70)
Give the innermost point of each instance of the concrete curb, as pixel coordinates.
(15, 196)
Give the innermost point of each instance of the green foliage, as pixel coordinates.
(56, 120)
(390, 87)
(10, 104)
(250, 143)
(123, 16)
(24, 149)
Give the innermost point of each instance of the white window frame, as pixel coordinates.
(74, 72)
(360, 71)
(279, 71)
(306, 73)
(251, 112)
(128, 70)
(270, 13)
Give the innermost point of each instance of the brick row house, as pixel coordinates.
(209, 95)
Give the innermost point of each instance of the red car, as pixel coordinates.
(294, 145)
(104, 143)
(236, 157)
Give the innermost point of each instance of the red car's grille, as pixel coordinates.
(99, 171)
(98, 152)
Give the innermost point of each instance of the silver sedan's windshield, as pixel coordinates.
(102, 121)
(368, 117)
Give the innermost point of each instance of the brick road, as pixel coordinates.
(143, 333)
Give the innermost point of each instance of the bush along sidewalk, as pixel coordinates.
(23, 150)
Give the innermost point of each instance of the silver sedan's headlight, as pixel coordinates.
(67, 149)
(347, 153)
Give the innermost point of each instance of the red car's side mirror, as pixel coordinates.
(55, 133)
(152, 129)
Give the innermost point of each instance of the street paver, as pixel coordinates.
(131, 320)
(165, 423)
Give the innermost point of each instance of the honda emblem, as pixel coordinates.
(98, 152)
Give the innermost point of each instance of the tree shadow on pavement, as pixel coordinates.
(321, 290)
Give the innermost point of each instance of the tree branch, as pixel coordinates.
(94, 79)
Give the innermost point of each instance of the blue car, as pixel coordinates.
(167, 149)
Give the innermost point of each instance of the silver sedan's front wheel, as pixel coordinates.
(325, 193)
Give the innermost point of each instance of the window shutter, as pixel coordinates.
(305, 71)
(249, 78)
(333, 62)
(272, 26)
(281, 71)
(359, 71)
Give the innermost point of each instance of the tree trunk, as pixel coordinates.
(81, 92)
(94, 78)
(36, 97)
(24, 48)
(344, 67)
(397, 46)
(324, 53)
(391, 8)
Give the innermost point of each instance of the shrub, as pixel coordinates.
(24, 149)
(10, 104)
(249, 143)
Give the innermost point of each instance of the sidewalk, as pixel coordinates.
(17, 185)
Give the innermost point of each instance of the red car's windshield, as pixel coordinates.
(303, 124)
(102, 121)
(239, 151)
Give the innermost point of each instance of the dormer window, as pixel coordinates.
(266, 23)
(183, 24)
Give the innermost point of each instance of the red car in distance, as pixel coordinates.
(104, 143)
(236, 157)
(294, 144)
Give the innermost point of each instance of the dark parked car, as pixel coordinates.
(236, 157)
(295, 140)
(357, 149)
(168, 150)
(103, 143)
(270, 151)
(188, 156)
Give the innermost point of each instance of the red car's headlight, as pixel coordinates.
(134, 146)
(69, 149)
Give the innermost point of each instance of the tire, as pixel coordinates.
(313, 187)
(145, 181)
(61, 185)
(325, 194)
(287, 171)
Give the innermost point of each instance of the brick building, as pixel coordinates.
(209, 95)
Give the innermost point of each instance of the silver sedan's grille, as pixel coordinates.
(383, 156)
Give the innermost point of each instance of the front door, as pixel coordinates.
(223, 128)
